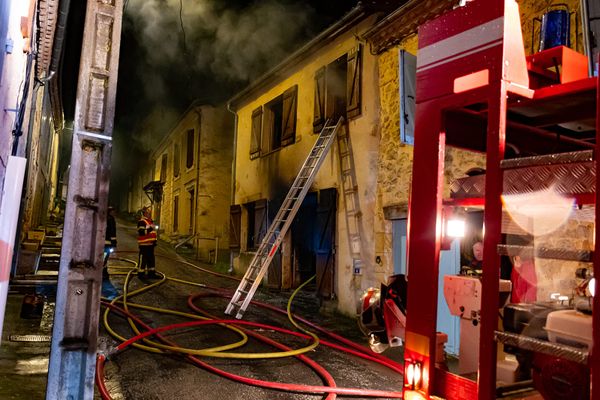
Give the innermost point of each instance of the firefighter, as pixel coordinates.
(110, 244)
(146, 242)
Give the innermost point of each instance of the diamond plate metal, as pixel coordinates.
(567, 173)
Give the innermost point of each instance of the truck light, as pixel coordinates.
(418, 375)
(410, 374)
(414, 374)
(455, 228)
(592, 286)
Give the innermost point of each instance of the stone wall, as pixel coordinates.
(395, 158)
(558, 276)
(530, 9)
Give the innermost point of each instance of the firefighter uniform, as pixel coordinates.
(146, 242)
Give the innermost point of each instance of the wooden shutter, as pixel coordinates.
(261, 221)
(319, 119)
(353, 83)
(325, 240)
(176, 214)
(235, 226)
(288, 132)
(256, 131)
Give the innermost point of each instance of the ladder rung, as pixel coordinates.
(280, 225)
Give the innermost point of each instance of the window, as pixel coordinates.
(278, 127)
(338, 89)
(163, 168)
(189, 160)
(280, 121)
(176, 213)
(176, 161)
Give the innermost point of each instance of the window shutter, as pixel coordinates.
(256, 131)
(288, 132)
(353, 83)
(235, 226)
(319, 119)
(261, 221)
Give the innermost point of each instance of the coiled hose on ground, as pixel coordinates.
(164, 345)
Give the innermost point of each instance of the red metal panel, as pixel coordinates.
(595, 356)
(493, 225)
(453, 386)
(477, 13)
(425, 238)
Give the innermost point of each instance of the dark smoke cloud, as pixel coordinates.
(206, 54)
(176, 52)
(231, 44)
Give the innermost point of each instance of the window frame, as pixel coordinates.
(190, 149)
(164, 160)
(176, 160)
(281, 112)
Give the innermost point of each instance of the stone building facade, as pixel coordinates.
(193, 165)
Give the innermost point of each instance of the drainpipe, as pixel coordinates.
(197, 191)
(233, 171)
(59, 36)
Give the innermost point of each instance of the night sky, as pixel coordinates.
(176, 51)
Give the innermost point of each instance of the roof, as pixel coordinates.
(403, 22)
(357, 14)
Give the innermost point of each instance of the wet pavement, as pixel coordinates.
(140, 375)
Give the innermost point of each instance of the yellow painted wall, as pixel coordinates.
(271, 175)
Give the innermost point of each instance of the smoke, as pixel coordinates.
(175, 52)
(217, 38)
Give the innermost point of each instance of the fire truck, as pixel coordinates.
(535, 119)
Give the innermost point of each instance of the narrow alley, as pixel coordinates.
(299, 199)
(144, 375)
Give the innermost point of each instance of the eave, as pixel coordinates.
(403, 22)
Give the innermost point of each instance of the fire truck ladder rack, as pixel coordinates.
(270, 243)
(351, 200)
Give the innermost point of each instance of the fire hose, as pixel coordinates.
(166, 345)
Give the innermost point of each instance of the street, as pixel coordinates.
(138, 374)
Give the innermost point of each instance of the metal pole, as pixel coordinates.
(75, 331)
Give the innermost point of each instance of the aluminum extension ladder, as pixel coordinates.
(349, 187)
(270, 243)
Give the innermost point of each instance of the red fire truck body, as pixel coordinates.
(472, 72)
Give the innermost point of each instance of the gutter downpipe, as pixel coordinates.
(233, 171)
(197, 191)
